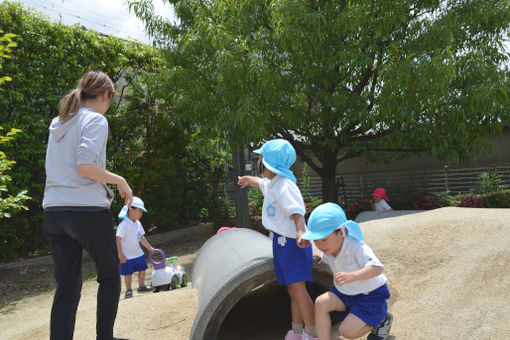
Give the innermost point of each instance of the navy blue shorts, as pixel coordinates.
(371, 307)
(291, 263)
(134, 265)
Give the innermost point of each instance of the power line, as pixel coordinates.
(48, 5)
(68, 12)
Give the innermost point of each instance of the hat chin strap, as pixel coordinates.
(343, 228)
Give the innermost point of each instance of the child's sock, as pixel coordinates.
(297, 328)
(310, 330)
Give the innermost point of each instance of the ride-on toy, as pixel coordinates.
(165, 277)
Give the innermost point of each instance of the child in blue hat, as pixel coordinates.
(283, 215)
(359, 295)
(130, 234)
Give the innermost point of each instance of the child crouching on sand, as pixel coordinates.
(358, 298)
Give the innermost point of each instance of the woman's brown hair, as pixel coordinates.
(91, 85)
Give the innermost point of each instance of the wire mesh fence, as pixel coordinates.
(354, 186)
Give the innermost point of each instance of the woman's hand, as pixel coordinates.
(125, 192)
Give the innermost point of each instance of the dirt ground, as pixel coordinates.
(448, 272)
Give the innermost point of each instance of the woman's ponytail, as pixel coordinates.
(70, 104)
(91, 85)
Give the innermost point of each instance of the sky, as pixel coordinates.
(106, 16)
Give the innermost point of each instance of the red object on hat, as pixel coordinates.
(224, 228)
(380, 192)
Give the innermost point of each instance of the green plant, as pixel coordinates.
(357, 207)
(305, 188)
(499, 199)
(489, 182)
(471, 202)
(255, 201)
(172, 165)
(9, 203)
(423, 200)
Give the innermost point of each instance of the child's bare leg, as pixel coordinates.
(297, 318)
(141, 278)
(301, 304)
(127, 280)
(353, 327)
(324, 304)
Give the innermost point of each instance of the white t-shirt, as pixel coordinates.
(282, 198)
(355, 256)
(130, 233)
(382, 205)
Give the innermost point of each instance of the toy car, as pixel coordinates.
(178, 270)
(165, 277)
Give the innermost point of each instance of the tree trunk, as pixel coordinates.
(328, 177)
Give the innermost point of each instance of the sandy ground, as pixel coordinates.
(448, 271)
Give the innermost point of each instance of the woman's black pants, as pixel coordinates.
(68, 232)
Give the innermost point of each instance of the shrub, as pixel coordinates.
(490, 182)
(496, 200)
(471, 202)
(358, 207)
(310, 204)
(255, 201)
(423, 200)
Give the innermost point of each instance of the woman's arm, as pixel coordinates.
(97, 173)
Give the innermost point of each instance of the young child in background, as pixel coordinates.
(380, 200)
(130, 234)
(358, 298)
(283, 215)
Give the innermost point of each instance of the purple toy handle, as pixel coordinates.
(158, 265)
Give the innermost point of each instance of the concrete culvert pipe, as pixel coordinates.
(237, 293)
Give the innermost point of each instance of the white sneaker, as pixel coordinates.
(307, 337)
(383, 331)
(293, 336)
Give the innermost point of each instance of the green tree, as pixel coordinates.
(172, 165)
(341, 79)
(8, 202)
(45, 65)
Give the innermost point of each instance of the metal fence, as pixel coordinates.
(354, 186)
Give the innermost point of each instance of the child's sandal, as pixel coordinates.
(129, 293)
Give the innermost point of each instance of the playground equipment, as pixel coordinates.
(228, 267)
(165, 277)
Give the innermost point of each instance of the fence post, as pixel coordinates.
(446, 178)
(240, 195)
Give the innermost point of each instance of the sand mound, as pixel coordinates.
(448, 272)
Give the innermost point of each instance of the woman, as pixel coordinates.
(77, 204)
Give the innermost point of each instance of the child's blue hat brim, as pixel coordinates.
(278, 156)
(327, 218)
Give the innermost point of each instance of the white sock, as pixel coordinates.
(297, 328)
(310, 330)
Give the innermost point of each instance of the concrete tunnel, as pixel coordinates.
(237, 293)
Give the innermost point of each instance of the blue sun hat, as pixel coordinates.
(137, 203)
(278, 156)
(327, 218)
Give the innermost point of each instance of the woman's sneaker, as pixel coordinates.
(383, 331)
